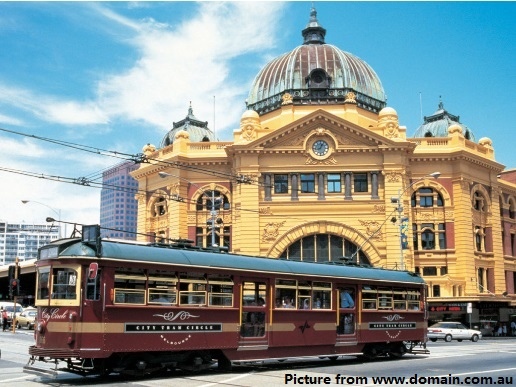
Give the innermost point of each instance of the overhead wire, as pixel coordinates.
(137, 158)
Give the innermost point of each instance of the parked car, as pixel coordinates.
(26, 319)
(9, 307)
(450, 330)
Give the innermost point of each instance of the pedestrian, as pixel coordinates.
(3, 312)
(513, 327)
(504, 330)
(499, 330)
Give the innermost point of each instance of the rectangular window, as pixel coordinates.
(129, 288)
(334, 182)
(442, 236)
(192, 289)
(369, 297)
(360, 182)
(220, 290)
(162, 289)
(307, 183)
(280, 184)
(432, 270)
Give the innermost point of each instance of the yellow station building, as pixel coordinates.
(320, 169)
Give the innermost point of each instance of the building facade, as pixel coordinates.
(320, 169)
(118, 206)
(23, 240)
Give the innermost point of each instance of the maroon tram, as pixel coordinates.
(109, 306)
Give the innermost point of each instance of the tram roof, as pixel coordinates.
(141, 253)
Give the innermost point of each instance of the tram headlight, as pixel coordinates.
(41, 326)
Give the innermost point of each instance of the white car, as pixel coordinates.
(449, 330)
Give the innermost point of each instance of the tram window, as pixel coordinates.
(369, 297)
(43, 283)
(129, 288)
(413, 300)
(162, 289)
(192, 288)
(64, 283)
(93, 287)
(399, 299)
(346, 324)
(321, 295)
(192, 298)
(286, 293)
(220, 290)
(304, 290)
(384, 298)
(347, 298)
(254, 293)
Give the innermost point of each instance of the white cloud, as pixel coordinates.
(4, 119)
(51, 108)
(189, 62)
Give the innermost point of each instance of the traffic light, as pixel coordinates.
(14, 289)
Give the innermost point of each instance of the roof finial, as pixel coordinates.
(313, 33)
(441, 105)
(190, 110)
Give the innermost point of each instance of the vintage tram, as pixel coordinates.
(112, 306)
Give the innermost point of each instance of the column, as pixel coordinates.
(347, 186)
(293, 182)
(320, 186)
(267, 183)
(374, 188)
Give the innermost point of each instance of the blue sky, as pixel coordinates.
(116, 75)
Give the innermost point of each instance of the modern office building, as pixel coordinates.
(117, 202)
(23, 240)
(322, 170)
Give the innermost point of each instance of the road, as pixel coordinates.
(488, 362)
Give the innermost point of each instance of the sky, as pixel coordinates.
(116, 75)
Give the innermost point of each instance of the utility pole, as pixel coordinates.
(15, 285)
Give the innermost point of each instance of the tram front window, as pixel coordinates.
(57, 285)
(64, 284)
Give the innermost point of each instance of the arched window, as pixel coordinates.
(159, 207)
(323, 248)
(212, 228)
(206, 202)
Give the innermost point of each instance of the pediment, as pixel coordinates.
(321, 123)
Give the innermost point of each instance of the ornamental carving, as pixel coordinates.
(372, 229)
(265, 211)
(350, 97)
(329, 161)
(249, 126)
(287, 99)
(393, 177)
(271, 231)
(390, 125)
(378, 209)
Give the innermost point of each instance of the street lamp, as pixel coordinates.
(57, 212)
(213, 211)
(403, 220)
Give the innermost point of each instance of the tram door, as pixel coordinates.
(254, 311)
(347, 323)
(92, 303)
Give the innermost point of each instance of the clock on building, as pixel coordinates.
(320, 148)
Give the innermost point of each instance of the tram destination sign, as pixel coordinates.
(172, 327)
(392, 325)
